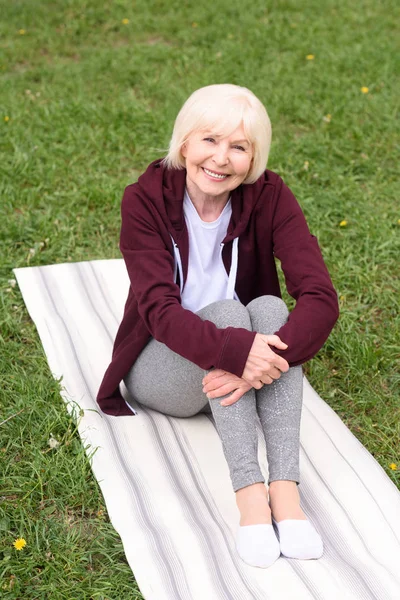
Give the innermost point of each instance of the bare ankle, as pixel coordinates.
(252, 502)
(253, 490)
(284, 500)
(282, 485)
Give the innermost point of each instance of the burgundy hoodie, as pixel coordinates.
(268, 222)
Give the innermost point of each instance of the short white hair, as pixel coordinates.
(222, 108)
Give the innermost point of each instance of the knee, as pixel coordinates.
(226, 313)
(271, 309)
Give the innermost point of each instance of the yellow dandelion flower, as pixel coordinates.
(22, 32)
(310, 56)
(306, 165)
(398, 221)
(393, 466)
(125, 21)
(19, 543)
(343, 223)
(342, 298)
(364, 89)
(6, 118)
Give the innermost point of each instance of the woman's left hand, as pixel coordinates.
(219, 383)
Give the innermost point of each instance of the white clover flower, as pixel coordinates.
(53, 443)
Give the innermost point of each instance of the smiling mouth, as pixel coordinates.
(214, 175)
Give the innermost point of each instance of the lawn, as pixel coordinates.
(88, 98)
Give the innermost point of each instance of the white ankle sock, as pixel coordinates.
(299, 539)
(257, 545)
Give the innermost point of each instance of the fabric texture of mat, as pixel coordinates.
(166, 483)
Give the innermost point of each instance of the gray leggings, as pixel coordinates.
(165, 381)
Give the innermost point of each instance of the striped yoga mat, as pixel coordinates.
(166, 483)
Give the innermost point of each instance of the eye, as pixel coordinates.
(240, 148)
(209, 139)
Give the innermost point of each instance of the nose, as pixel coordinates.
(221, 155)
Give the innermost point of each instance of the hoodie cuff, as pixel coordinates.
(236, 350)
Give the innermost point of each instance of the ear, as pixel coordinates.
(184, 150)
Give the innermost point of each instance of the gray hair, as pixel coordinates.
(222, 108)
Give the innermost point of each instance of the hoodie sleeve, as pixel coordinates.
(150, 264)
(307, 281)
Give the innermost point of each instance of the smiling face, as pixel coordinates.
(216, 165)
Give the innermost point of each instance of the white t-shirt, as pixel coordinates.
(207, 279)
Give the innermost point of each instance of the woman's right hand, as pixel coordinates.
(263, 365)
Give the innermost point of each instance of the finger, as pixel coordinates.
(274, 373)
(249, 382)
(214, 383)
(257, 384)
(280, 363)
(253, 383)
(274, 340)
(219, 381)
(223, 390)
(232, 398)
(212, 375)
(267, 379)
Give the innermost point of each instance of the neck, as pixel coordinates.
(208, 207)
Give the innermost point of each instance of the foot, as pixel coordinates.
(257, 545)
(256, 541)
(252, 502)
(284, 501)
(297, 536)
(299, 539)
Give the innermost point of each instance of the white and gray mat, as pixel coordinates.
(166, 483)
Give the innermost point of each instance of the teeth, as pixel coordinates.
(215, 175)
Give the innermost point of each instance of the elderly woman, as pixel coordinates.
(205, 328)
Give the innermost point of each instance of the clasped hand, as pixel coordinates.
(263, 366)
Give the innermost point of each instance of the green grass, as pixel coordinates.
(90, 101)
